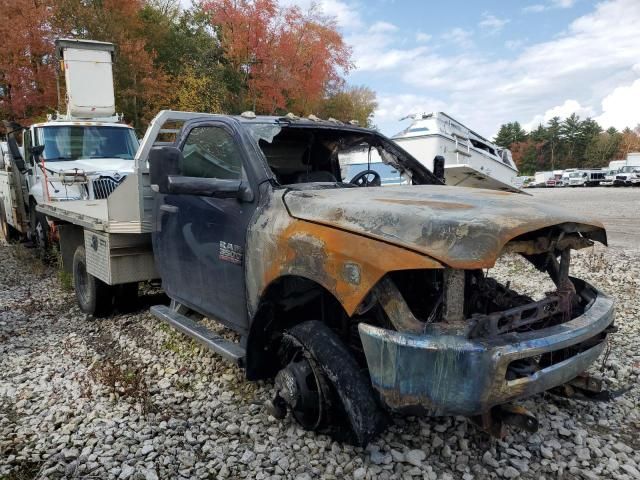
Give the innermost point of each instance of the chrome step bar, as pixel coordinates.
(230, 351)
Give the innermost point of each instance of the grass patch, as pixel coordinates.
(25, 471)
(66, 280)
(125, 382)
(598, 262)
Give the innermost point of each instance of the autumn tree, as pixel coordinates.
(629, 142)
(602, 147)
(286, 59)
(199, 93)
(571, 143)
(141, 88)
(350, 103)
(27, 64)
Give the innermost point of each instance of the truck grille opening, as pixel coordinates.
(104, 186)
(526, 367)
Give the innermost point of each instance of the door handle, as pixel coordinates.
(169, 208)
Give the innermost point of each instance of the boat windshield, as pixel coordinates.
(74, 142)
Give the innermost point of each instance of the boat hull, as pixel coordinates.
(464, 166)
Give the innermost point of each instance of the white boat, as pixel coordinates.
(470, 159)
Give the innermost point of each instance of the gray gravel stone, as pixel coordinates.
(204, 420)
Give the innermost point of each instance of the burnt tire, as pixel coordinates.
(93, 295)
(351, 413)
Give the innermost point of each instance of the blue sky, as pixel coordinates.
(493, 61)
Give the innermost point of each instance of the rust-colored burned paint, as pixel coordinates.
(321, 253)
(460, 227)
(346, 264)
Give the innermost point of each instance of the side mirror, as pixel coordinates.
(36, 150)
(163, 163)
(438, 167)
(210, 187)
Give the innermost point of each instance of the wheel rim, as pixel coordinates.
(40, 235)
(302, 387)
(82, 282)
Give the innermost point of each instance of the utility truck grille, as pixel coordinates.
(103, 186)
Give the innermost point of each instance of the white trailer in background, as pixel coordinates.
(541, 178)
(84, 153)
(623, 172)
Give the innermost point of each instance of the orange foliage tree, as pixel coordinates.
(141, 88)
(285, 58)
(27, 66)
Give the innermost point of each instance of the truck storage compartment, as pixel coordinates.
(119, 258)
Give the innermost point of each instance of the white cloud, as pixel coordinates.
(563, 3)
(492, 24)
(540, 7)
(346, 14)
(514, 44)
(422, 37)
(594, 55)
(372, 48)
(459, 36)
(562, 111)
(621, 108)
(382, 27)
(391, 108)
(535, 8)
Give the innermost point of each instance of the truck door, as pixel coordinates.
(200, 243)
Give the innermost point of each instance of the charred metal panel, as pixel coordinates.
(463, 228)
(443, 373)
(346, 264)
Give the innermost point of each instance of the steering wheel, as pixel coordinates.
(362, 179)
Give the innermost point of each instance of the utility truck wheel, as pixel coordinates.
(40, 232)
(323, 386)
(7, 231)
(93, 295)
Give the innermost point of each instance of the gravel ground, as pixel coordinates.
(127, 397)
(616, 207)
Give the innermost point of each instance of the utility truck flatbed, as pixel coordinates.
(90, 214)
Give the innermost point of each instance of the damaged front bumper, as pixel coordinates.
(442, 372)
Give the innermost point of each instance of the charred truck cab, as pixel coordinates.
(357, 298)
(327, 277)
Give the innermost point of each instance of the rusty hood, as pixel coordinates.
(460, 227)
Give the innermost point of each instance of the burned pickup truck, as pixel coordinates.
(357, 298)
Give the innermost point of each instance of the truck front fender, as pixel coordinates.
(347, 265)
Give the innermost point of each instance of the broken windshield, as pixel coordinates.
(303, 155)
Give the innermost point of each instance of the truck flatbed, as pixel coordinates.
(91, 214)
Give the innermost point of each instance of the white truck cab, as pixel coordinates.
(83, 154)
(79, 160)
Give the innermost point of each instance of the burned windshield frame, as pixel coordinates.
(390, 153)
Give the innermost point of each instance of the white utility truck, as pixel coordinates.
(82, 154)
(624, 172)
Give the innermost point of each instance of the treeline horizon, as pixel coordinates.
(568, 143)
(219, 56)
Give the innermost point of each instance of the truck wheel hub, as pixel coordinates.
(297, 386)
